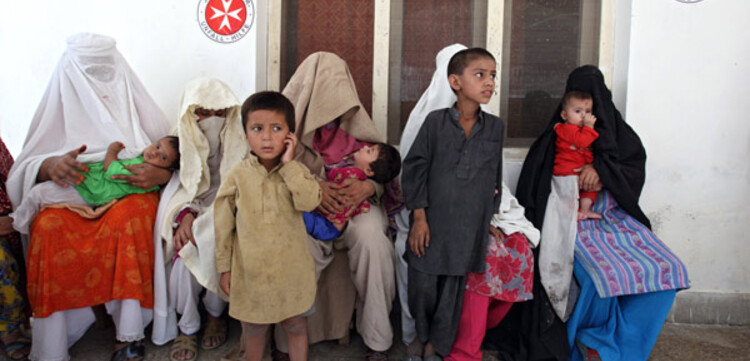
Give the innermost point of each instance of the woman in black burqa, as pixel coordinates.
(619, 169)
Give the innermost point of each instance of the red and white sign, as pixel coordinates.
(225, 21)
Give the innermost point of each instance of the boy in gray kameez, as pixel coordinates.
(450, 181)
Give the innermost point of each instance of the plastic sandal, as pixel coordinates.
(184, 343)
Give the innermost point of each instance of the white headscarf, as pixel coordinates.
(439, 95)
(93, 98)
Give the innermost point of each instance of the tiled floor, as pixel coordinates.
(676, 342)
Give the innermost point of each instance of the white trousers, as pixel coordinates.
(40, 195)
(53, 335)
(184, 291)
(408, 325)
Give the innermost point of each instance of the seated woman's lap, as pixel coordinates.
(75, 262)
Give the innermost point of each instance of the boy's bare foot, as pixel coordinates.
(582, 215)
(6, 226)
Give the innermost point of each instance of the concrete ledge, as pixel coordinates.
(711, 308)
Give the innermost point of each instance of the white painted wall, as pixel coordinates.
(688, 97)
(161, 40)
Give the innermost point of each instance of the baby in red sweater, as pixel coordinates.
(573, 144)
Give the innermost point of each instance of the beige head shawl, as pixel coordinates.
(194, 177)
(322, 90)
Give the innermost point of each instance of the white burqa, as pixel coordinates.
(194, 186)
(510, 217)
(93, 98)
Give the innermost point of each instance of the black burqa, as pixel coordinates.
(532, 330)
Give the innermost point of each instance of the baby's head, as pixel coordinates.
(165, 153)
(472, 72)
(575, 105)
(267, 117)
(381, 162)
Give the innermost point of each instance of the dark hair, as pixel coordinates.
(175, 143)
(459, 61)
(575, 94)
(269, 100)
(388, 164)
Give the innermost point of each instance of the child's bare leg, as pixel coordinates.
(429, 349)
(295, 329)
(255, 341)
(6, 225)
(585, 212)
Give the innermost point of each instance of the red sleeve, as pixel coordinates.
(580, 137)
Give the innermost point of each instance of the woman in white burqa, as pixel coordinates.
(93, 99)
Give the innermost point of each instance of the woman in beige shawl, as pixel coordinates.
(331, 122)
(212, 142)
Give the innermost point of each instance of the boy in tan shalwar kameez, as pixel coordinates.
(261, 240)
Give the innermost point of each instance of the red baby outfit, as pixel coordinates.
(338, 175)
(573, 150)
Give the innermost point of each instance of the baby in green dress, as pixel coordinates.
(97, 187)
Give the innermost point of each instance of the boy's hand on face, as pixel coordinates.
(224, 282)
(589, 120)
(419, 236)
(291, 143)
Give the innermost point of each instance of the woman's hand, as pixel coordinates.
(355, 191)
(332, 202)
(184, 232)
(588, 179)
(145, 176)
(291, 143)
(224, 282)
(63, 169)
(419, 236)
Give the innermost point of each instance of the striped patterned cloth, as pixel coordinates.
(623, 257)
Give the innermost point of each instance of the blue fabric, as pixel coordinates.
(319, 227)
(619, 328)
(622, 256)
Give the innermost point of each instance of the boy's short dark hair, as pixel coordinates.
(575, 94)
(175, 143)
(388, 164)
(269, 100)
(459, 61)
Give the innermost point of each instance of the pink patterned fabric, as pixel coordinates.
(337, 176)
(510, 270)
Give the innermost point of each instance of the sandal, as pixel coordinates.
(184, 343)
(17, 349)
(132, 351)
(215, 328)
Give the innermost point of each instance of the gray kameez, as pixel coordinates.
(454, 178)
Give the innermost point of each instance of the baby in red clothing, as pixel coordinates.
(573, 144)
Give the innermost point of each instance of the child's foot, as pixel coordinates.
(582, 215)
(6, 226)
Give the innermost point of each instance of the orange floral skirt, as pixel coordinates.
(75, 262)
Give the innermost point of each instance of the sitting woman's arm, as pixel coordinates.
(63, 169)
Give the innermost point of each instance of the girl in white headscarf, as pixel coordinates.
(212, 142)
(509, 220)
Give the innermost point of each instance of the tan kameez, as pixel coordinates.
(261, 238)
